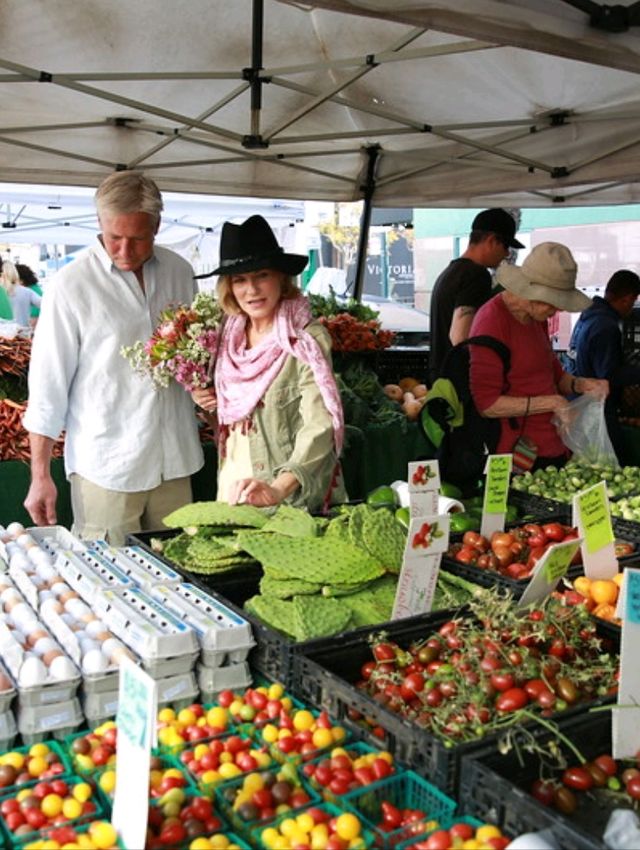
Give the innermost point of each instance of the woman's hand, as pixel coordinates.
(596, 387)
(252, 491)
(205, 398)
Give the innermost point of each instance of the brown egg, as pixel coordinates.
(88, 618)
(55, 605)
(102, 636)
(53, 580)
(35, 636)
(11, 603)
(67, 595)
(49, 656)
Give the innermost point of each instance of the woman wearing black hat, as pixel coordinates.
(278, 409)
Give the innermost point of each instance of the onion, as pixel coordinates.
(412, 408)
(420, 390)
(407, 384)
(393, 391)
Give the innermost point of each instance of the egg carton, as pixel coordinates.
(139, 565)
(38, 722)
(68, 638)
(89, 573)
(8, 730)
(56, 538)
(7, 695)
(98, 707)
(14, 657)
(213, 680)
(177, 691)
(100, 683)
(146, 626)
(224, 636)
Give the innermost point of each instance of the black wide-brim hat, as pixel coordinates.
(251, 246)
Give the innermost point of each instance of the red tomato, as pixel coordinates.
(384, 652)
(577, 777)
(607, 763)
(502, 681)
(467, 555)
(391, 816)
(463, 831)
(633, 788)
(512, 700)
(472, 538)
(535, 535)
(501, 538)
(554, 531)
(543, 792)
(439, 840)
(503, 554)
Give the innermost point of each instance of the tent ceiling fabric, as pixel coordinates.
(516, 103)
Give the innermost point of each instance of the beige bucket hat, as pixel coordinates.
(548, 274)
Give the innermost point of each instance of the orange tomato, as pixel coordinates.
(583, 584)
(618, 579)
(604, 591)
(605, 611)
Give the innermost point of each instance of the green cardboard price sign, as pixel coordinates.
(595, 517)
(497, 484)
(558, 561)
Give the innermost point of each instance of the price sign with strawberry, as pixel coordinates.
(424, 484)
(428, 538)
(624, 732)
(136, 722)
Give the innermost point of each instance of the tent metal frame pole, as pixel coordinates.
(257, 35)
(368, 188)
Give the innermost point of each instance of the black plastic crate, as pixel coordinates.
(494, 787)
(393, 364)
(325, 676)
(538, 506)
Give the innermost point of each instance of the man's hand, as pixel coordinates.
(41, 501)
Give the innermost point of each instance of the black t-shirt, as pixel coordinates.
(462, 284)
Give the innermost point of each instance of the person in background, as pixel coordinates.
(129, 449)
(6, 312)
(29, 279)
(21, 298)
(278, 409)
(595, 348)
(536, 387)
(464, 286)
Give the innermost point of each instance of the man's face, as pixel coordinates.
(128, 238)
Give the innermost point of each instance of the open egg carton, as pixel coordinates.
(50, 538)
(139, 565)
(42, 670)
(166, 645)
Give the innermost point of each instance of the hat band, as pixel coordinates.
(250, 258)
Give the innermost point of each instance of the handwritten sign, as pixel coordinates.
(496, 489)
(548, 571)
(592, 515)
(424, 484)
(136, 720)
(626, 718)
(427, 539)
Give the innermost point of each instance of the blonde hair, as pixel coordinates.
(227, 299)
(9, 277)
(128, 192)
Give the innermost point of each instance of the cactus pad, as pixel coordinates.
(286, 588)
(215, 513)
(291, 521)
(384, 538)
(316, 617)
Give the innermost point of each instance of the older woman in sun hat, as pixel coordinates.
(536, 386)
(278, 409)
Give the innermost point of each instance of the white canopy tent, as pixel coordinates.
(511, 102)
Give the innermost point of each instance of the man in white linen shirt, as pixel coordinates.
(130, 448)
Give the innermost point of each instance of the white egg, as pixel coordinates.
(111, 646)
(69, 619)
(18, 636)
(26, 541)
(11, 548)
(94, 662)
(15, 529)
(21, 612)
(76, 607)
(46, 572)
(96, 627)
(39, 556)
(44, 595)
(88, 645)
(59, 587)
(32, 672)
(62, 668)
(50, 603)
(19, 561)
(44, 644)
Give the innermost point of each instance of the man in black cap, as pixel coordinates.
(465, 284)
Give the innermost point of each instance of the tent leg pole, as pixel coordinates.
(365, 220)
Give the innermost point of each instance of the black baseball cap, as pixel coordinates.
(498, 221)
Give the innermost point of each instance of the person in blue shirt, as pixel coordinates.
(596, 350)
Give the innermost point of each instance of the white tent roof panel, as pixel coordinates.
(487, 102)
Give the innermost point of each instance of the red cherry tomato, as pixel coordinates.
(512, 700)
(577, 777)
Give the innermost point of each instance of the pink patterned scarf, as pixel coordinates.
(243, 375)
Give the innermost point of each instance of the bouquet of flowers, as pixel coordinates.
(182, 345)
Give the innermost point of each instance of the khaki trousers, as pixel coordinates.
(100, 514)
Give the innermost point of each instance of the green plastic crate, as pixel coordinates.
(368, 837)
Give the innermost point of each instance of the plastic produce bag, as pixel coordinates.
(583, 429)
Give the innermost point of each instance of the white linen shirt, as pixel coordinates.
(122, 433)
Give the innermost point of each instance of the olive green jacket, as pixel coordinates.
(292, 431)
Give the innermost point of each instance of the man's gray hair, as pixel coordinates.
(128, 192)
